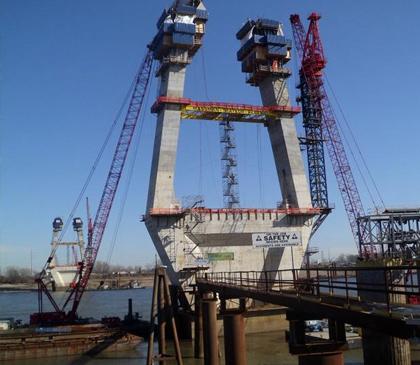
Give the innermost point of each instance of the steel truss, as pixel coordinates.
(392, 233)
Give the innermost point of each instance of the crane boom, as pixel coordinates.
(112, 181)
(313, 61)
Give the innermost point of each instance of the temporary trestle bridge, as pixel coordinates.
(335, 293)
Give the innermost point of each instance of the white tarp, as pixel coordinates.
(276, 239)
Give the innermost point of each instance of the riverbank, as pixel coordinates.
(116, 281)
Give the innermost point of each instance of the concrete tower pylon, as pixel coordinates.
(224, 239)
(180, 32)
(264, 53)
(285, 145)
(162, 192)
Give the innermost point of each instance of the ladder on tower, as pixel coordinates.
(229, 165)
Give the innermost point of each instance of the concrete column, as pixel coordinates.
(198, 328)
(211, 345)
(234, 337)
(162, 175)
(285, 146)
(332, 358)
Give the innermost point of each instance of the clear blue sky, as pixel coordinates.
(66, 66)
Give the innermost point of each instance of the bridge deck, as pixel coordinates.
(329, 293)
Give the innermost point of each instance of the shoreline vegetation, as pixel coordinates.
(112, 276)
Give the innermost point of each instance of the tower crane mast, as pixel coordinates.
(313, 61)
(102, 214)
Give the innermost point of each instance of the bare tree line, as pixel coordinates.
(18, 275)
(15, 275)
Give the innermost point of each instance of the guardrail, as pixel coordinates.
(378, 284)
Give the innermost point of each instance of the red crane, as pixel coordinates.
(96, 232)
(313, 61)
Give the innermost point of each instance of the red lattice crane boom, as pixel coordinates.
(96, 231)
(311, 54)
(111, 185)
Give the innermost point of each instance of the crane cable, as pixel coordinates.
(209, 150)
(365, 183)
(260, 166)
(356, 163)
(355, 143)
(90, 175)
(96, 162)
(129, 178)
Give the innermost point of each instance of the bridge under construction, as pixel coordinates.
(217, 257)
(223, 244)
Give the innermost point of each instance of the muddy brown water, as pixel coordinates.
(262, 349)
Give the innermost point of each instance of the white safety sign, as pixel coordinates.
(276, 239)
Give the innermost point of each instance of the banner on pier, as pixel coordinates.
(220, 256)
(276, 239)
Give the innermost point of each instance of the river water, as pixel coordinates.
(262, 349)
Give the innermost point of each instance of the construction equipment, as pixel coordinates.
(321, 127)
(96, 232)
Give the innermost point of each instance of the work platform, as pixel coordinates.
(236, 212)
(218, 111)
(327, 293)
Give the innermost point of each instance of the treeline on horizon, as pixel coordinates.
(19, 275)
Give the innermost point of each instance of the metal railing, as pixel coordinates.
(387, 285)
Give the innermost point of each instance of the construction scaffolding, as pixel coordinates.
(217, 111)
(229, 165)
